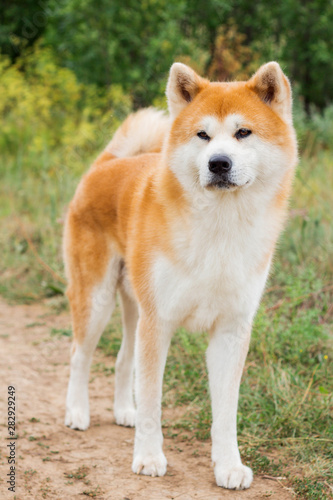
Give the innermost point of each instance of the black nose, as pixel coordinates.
(220, 164)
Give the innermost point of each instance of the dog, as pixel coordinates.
(180, 214)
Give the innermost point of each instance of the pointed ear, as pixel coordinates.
(273, 88)
(183, 85)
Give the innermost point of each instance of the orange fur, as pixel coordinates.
(283, 194)
(266, 260)
(118, 205)
(222, 99)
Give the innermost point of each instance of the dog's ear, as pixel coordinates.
(273, 88)
(183, 85)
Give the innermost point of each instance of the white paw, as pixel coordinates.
(125, 417)
(238, 477)
(150, 465)
(77, 418)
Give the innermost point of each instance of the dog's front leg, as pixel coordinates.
(226, 356)
(151, 348)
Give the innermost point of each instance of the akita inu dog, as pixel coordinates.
(181, 214)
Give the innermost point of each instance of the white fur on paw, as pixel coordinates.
(238, 477)
(150, 465)
(76, 418)
(125, 417)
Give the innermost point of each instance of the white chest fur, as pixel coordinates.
(216, 270)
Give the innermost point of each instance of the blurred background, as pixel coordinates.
(70, 71)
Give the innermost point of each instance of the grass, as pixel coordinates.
(60, 332)
(285, 410)
(97, 492)
(79, 474)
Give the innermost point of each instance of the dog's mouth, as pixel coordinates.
(224, 184)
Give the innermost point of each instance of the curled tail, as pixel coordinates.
(141, 132)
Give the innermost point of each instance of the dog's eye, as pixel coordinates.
(203, 135)
(242, 133)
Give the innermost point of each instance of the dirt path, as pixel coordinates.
(56, 462)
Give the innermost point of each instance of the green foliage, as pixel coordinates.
(133, 44)
(43, 107)
(130, 44)
(61, 332)
(307, 489)
(21, 24)
(308, 48)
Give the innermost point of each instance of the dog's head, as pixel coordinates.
(228, 136)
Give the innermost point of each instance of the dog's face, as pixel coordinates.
(228, 136)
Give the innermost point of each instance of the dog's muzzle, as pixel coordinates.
(220, 167)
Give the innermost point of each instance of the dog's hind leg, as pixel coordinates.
(124, 409)
(92, 300)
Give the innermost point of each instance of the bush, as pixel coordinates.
(44, 107)
(314, 132)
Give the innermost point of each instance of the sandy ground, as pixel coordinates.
(56, 462)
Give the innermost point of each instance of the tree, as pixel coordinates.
(126, 42)
(134, 43)
(22, 23)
